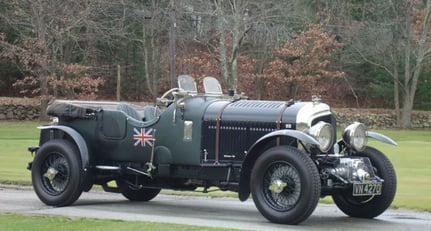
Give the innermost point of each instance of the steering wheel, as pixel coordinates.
(164, 100)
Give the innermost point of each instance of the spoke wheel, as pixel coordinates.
(285, 185)
(370, 206)
(57, 174)
(281, 186)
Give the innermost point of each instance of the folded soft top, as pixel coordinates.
(71, 109)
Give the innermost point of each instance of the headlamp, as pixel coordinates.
(323, 133)
(355, 136)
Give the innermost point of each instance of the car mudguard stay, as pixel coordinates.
(257, 148)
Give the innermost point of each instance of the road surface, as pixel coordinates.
(215, 212)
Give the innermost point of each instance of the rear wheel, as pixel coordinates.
(57, 173)
(285, 185)
(137, 194)
(370, 206)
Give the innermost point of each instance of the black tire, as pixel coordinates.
(370, 206)
(57, 173)
(285, 185)
(138, 194)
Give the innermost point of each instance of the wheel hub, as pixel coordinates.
(51, 173)
(277, 186)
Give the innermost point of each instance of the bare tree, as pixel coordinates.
(153, 29)
(401, 46)
(419, 22)
(237, 20)
(225, 26)
(53, 34)
(393, 35)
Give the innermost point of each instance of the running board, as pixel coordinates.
(118, 168)
(108, 168)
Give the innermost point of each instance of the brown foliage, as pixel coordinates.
(63, 80)
(74, 85)
(299, 69)
(301, 64)
(200, 64)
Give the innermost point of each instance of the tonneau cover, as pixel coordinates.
(68, 109)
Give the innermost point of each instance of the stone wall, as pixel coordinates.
(19, 112)
(379, 119)
(375, 119)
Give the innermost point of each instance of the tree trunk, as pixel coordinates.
(222, 43)
(406, 116)
(118, 83)
(40, 26)
(43, 100)
(234, 84)
(150, 53)
(259, 87)
(146, 60)
(154, 64)
(406, 111)
(397, 100)
(411, 77)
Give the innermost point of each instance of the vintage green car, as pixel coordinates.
(284, 153)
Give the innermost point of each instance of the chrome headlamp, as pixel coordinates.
(355, 136)
(323, 133)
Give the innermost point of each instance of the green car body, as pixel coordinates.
(283, 153)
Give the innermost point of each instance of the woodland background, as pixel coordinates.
(354, 53)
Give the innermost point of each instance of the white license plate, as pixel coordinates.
(367, 189)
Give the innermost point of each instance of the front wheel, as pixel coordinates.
(57, 173)
(370, 206)
(285, 185)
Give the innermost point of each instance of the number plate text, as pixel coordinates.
(367, 189)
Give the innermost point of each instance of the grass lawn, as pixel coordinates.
(21, 222)
(15, 137)
(411, 159)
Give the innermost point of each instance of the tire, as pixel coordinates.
(285, 185)
(57, 173)
(141, 194)
(370, 206)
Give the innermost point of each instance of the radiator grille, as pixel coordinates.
(235, 138)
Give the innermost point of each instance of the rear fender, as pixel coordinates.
(77, 138)
(257, 148)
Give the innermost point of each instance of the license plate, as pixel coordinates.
(367, 189)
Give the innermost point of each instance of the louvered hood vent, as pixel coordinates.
(246, 110)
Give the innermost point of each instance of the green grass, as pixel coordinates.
(15, 137)
(13, 222)
(411, 159)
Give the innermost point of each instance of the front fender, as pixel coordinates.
(288, 133)
(77, 138)
(381, 137)
(257, 148)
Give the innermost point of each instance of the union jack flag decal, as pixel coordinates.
(143, 137)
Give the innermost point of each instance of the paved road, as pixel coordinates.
(220, 212)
